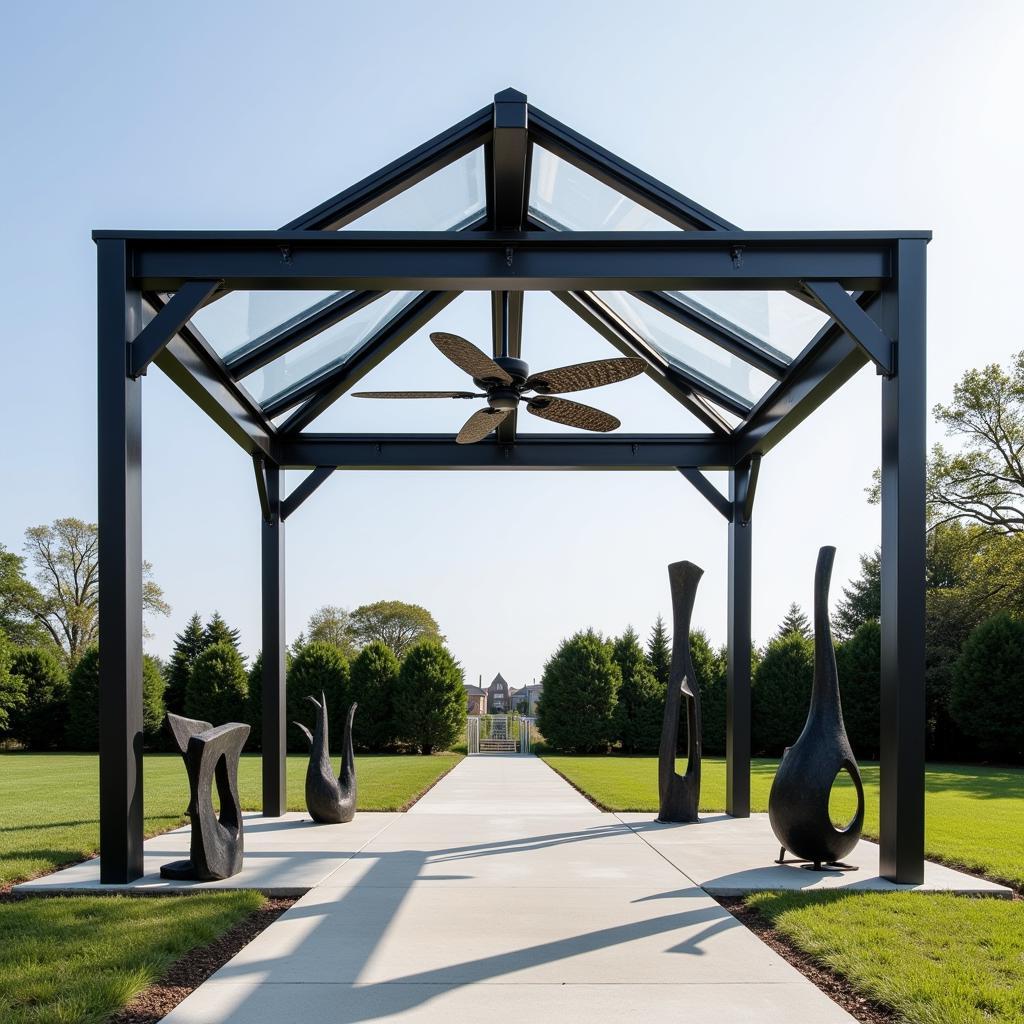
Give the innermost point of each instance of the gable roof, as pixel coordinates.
(508, 167)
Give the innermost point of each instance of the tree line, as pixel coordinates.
(974, 626)
(389, 657)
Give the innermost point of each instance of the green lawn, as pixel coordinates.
(974, 815)
(77, 959)
(49, 803)
(936, 959)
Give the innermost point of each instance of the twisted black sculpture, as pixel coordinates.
(798, 803)
(679, 795)
(210, 754)
(330, 800)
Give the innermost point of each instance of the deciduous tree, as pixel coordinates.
(395, 623)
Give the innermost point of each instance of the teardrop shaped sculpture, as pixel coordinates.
(798, 803)
(679, 795)
(330, 800)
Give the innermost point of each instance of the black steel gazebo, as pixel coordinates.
(508, 201)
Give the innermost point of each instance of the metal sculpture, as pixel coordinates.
(329, 800)
(210, 754)
(798, 803)
(679, 795)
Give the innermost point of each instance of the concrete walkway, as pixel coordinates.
(505, 896)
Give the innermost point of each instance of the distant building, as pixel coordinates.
(476, 700)
(501, 699)
(497, 696)
(524, 700)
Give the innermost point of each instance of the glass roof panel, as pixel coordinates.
(771, 320)
(568, 199)
(688, 350)
(238, 318)
(448, 200)
(326, 350)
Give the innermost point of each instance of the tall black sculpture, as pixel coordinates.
(798, 803)
(210, 754)
(679, 795)
(330, 800)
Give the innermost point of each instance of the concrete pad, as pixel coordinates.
(283, 857)
(731, 856)
(441, 934)
(223, 1002)
(506, 784)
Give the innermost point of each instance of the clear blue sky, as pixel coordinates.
(231, 115)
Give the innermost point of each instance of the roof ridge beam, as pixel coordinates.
(397, 176)
(624, 177)
(330, 387)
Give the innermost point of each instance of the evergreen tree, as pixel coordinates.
(373, 681)
(641, 699)
(255, 700)
(188, 645)
(217, 631)
(859, 664)
(862, 598)
(988, 687)
(39, 720)
(430, 700)
(795, 622)
(83, 724)
(319, 668)
(577, 705)
(709, 667)
(659, 651)
(781, 693)
(218, 689)
(12, 689)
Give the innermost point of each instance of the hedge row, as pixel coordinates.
(600, 694)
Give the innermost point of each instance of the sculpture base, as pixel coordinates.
(816, 865)
(179, 871)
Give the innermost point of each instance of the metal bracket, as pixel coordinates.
(717, 499)
(746, 486)
(305, 489)
(260, 468)
(155, 336)
(875, 343)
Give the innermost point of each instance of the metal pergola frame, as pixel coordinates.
(871, 285)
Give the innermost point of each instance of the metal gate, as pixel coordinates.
(499, 734)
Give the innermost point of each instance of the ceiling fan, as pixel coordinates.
(503, 382)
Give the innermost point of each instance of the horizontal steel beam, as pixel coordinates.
(515, 261)
(530, 452)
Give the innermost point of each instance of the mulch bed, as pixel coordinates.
(196, 966)
(834, 985)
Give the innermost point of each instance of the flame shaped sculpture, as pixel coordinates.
(798, 803)
(679, 795)
(329, 800)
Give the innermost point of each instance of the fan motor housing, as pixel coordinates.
(517, 369)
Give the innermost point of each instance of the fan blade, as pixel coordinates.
(581, 376)
(466, 356)
(572, 414)
(480, 424)
(416, 394)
